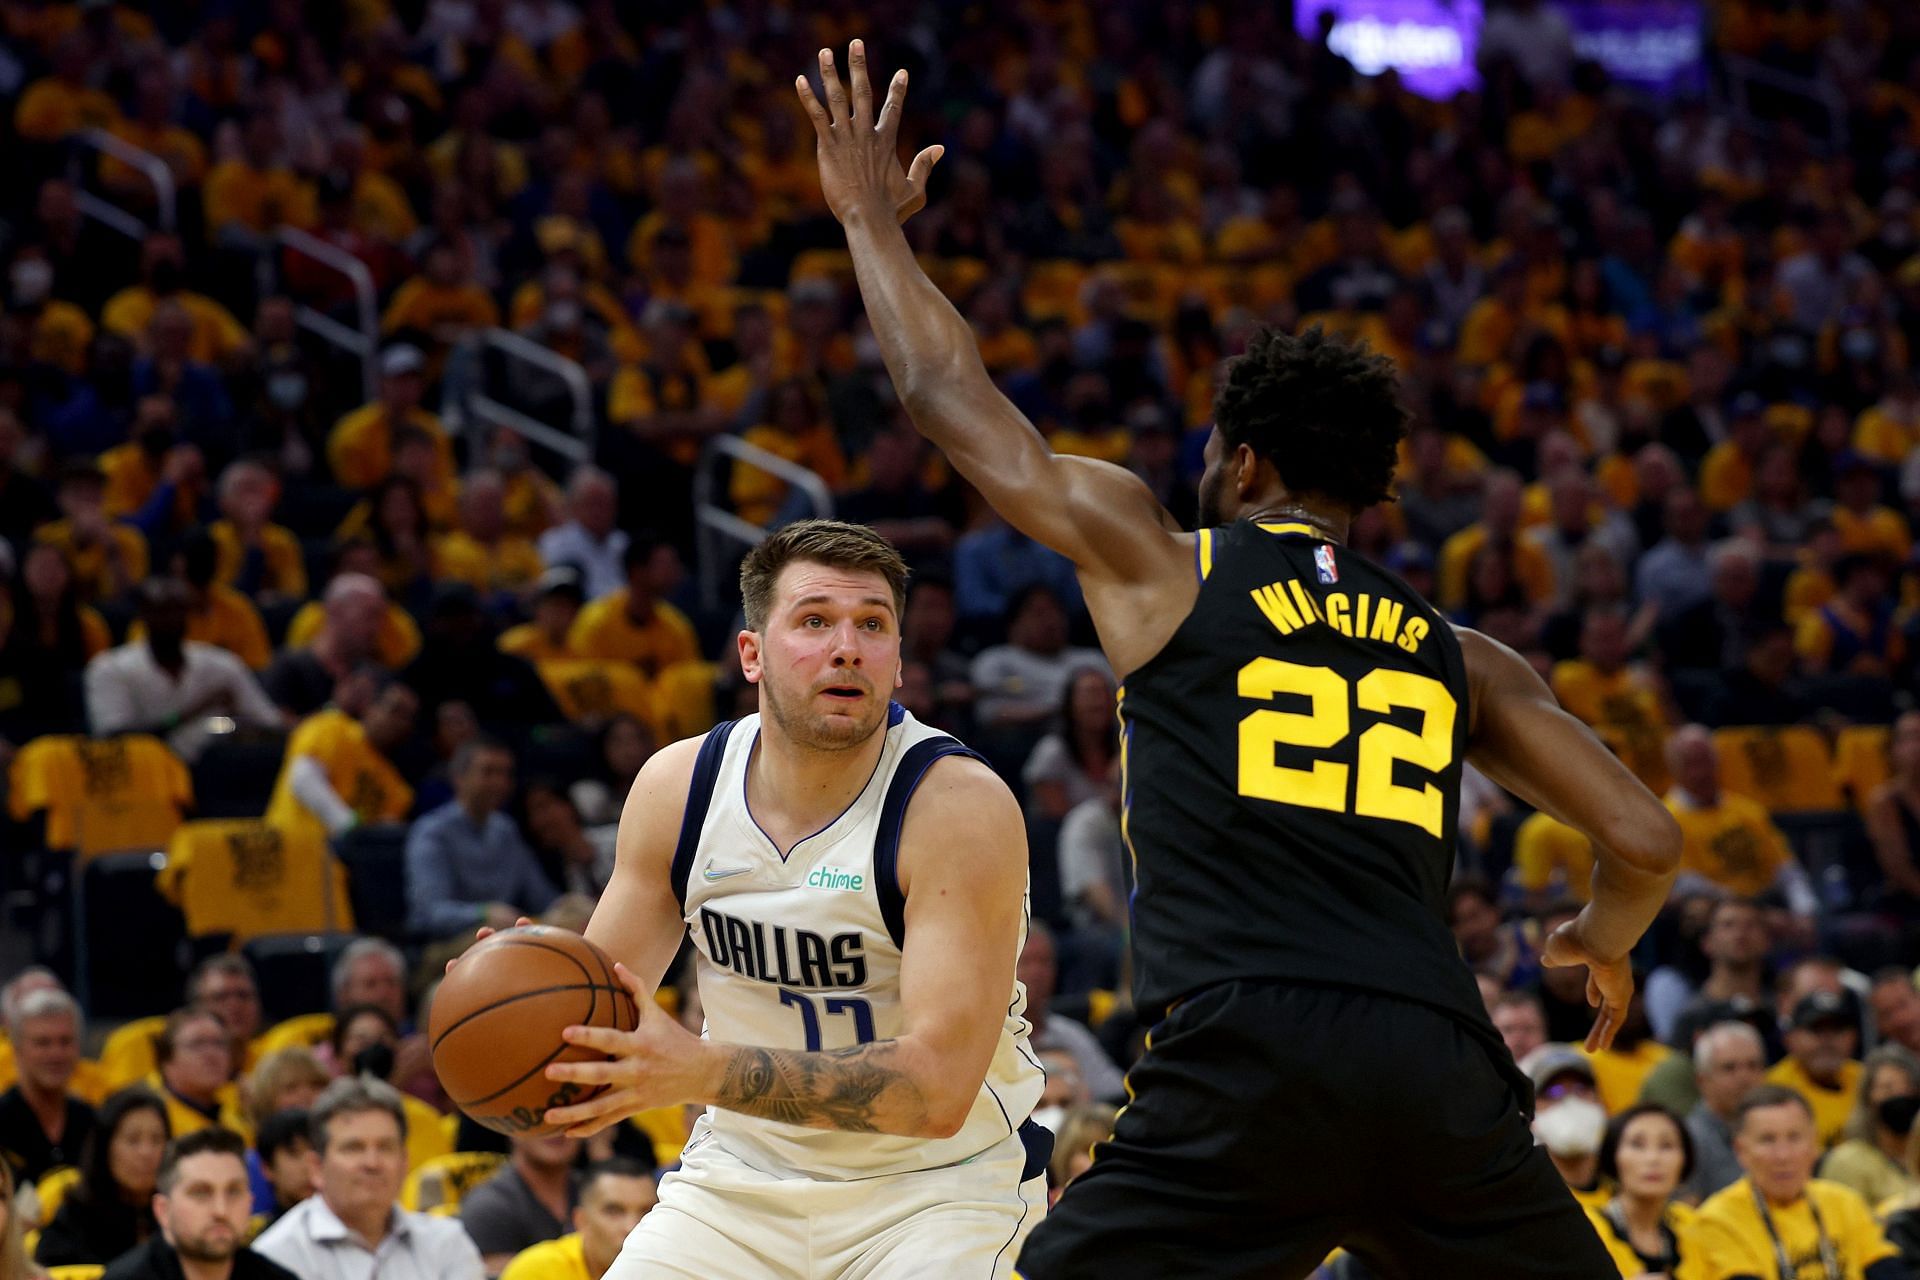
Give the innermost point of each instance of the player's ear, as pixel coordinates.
(1246, 470)
(900, 675)
(750, 664)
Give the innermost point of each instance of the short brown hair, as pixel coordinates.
(833, 543)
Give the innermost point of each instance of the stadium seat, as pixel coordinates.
(129, 940)
(302, 1030)
(242, 878)
(129, 1053)
(375, 861)
(443, 1181)
(1788, 769)
(234, 776)
(1860, 760)
(100, 795)
(294, 970)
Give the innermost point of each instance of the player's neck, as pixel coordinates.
(795, 791)
(1332, 524)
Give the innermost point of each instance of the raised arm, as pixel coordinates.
(963, 869)
(1522, 739)
(1100, 516)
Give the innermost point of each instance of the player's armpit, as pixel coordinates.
(638, 920)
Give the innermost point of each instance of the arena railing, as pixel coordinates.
(715, 526)
(1741, 75)
(466, 404)
(360, 340)
(140, 160)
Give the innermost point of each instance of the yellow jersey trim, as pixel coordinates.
(1205, 552)
(1295, 527)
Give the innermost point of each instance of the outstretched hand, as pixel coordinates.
(860, 171)
(1609, 982)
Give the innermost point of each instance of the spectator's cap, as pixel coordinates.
(1848, 461)
(1748, 404)
(1148, 419)
(451, 598)
(1823, 1008)
(401, 358)
(1405, 557)
(557, 233)
(562, 580)
(813, 290)
(1551, 1061)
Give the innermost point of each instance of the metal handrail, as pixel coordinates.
(362, 342)
(468, 401)
(1742, 71)
(150, 166)
(713, 522)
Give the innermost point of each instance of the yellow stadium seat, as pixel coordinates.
(823, 264)
(77, 1271)
(1789, 769)
(129, 1053)
(100, 795)
(1860, 760)
(305, 1030)
(1052, 289)
(246, 878)
(443, 1180)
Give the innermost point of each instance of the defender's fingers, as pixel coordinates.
(815, 112)
(836, 91)
(857, 72)
(922, 166)
(888, 125)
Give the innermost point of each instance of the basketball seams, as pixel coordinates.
(503, 1001)
(570, 947)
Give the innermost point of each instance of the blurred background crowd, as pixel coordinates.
(387, 388)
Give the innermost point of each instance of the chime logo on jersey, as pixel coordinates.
(1325, 564)
(836, 878)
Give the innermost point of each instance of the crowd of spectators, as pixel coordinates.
(1657, 355)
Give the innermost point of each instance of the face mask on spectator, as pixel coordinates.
(375, 1060)
(32, 280)
(287, 390)
(1897, 1114)
(1572, 1128)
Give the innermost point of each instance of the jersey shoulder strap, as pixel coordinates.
(706, 771)
(913, 766)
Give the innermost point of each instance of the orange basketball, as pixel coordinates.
(496, 1022)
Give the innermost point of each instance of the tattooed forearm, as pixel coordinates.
(860, 1089)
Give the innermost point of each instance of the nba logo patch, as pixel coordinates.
(1323, 562)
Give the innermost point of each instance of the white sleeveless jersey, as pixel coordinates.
(803, 952)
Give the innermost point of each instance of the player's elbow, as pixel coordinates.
(1648, 838)
(946, 1116)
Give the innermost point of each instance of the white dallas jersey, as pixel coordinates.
(803, 952)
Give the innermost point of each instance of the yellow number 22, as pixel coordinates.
(1327, 721)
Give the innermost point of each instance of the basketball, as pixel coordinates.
(496, 1023)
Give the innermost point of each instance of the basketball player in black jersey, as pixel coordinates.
(1294, 723)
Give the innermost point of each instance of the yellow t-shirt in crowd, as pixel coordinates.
(360, 447)
(1620, 1074)
(394, 645)
(421, 304)
(1831, 1107)
(683, 699)
(257, 199)
(131, 478)
(1531, 567)
(215, 332)
(1730, 1239)
(507, 565)
(183, 1118)
(529, 642)
(227, 619)
(603, 630)
(1679, 1220)
(245, 877)
(60, 337)
(1881, 531)
(355, 769)
(589, 690)
(1545, 848)
(1734, 843)
(1726, 477)
(91, 580)
(562, 1259)
(285, 569)
(1622, 703)
(51, 109)
(101, 795)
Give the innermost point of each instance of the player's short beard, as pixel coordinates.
(804, 727)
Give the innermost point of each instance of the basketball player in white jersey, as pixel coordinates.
(854, 886)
